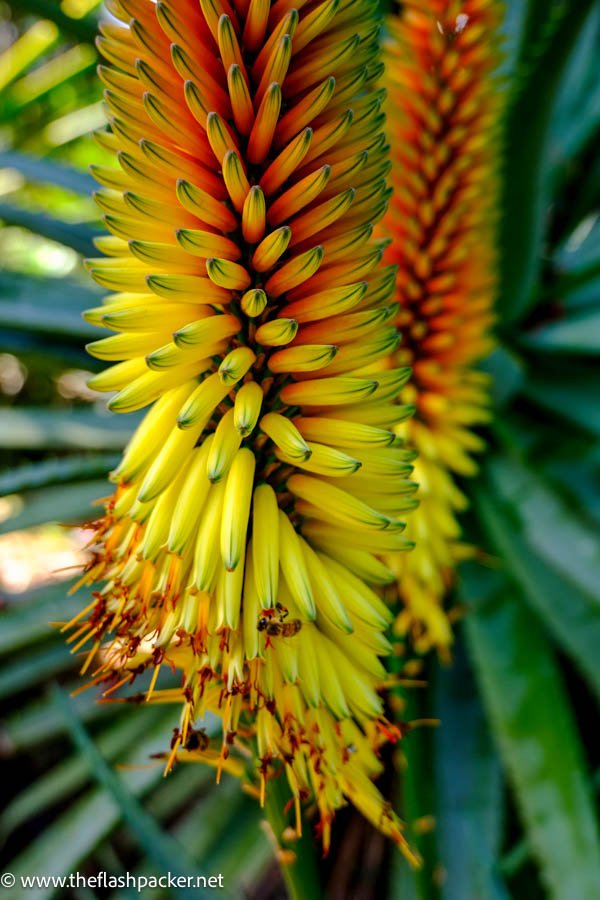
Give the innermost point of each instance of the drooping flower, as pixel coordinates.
(254, 315)
(443, 117)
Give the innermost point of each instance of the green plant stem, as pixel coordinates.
(301, 876)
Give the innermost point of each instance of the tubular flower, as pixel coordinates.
(443, 111)
(253, 315)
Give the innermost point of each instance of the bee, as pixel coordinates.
(273, 621)
(197, 740)
(284, 629)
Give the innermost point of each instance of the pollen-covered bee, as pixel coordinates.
(197, 740)
(273, 621)
(282, 629)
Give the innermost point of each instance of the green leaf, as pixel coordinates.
(577, 333)
(71, 774)
(570, 393)
(84, 28)
(551, 588)
(37, 352)
(21, 730)
(56, 471)
(222, 827)
(81, 428)
(530, 714)
(549, 41)
(166, 852)
(577, 116)
(225, 828)
(52, 306)
(25, 621)
(576, 473)
(37, 666)
(53, 504)
(586, 293)
(507, 373)
(555, 533)
(579, 256)
(468, 787)
(79, 237)
(61, 848)
(40, 169)
(512, 35)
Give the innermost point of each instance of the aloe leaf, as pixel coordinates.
(25, 622)
(530, 713)
(79, 237)
(187, 784)
(242, 838)
(576, 473)
(28, 670)
(83, 428)
(468, 787)
(224, 828)
(52, 504)
(164, 850)
(583, 294)
(579, 254)
(38, 353)
(71, 774)
(570, 393)
(570, 613)
(220, 829)
(21, 730)
(507, 373)
(552, 530)
(577, 115)
(46, 305)
(525, 197)
(85, 28)
(27, 316)
(40, 169)
(576, 333)
(220, 808)
(61, 849)
(56, 471)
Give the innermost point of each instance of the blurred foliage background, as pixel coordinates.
(502, 796)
